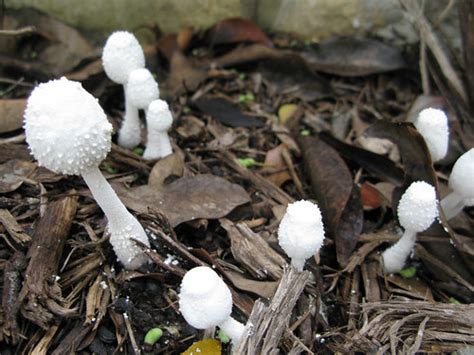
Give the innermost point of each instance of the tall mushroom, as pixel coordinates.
(433, 126)
(301, 232)
(67, 132)
(121, 55)
(461, 183)
(159, 121)
(417, 210)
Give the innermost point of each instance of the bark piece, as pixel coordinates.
(41, 296)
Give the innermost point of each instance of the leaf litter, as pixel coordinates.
(238, 95)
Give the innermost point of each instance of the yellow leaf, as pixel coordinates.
(204, 347)
(285, 112)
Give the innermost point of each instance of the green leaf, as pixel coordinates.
(153, 336)
(247, 162)
(454, 301)
(138, 151)
(408, 272)
(224, 338)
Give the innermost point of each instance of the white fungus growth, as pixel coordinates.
(159, 120)
(205, 301)
(142, 88)
(301, 232)
(461, 183)
(417, 210)
(67, 132)
(121, 55)
(433, 126)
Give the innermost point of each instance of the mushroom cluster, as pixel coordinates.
(68, 132)
(124, 63)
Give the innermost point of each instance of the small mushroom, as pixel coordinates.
(159, 121)
(301, 232)
(205, 301)
(67, 132)
(461, 182)
(142, 88)
(417, 210)
(433, 126)
(121, 55)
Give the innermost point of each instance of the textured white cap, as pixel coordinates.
(121, 54)
(159, 116)
(461, 179)
(204, 300)
(433, 126)
(301, 232)
(418, 207)
(142, 88)
(66, 128)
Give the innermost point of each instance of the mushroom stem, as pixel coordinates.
(452, 204)
(122, 224)
(233, 329)
(158, 145)
(394, 257)
(298, 264)
(129, 134)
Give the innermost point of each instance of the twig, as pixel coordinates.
(19, 32)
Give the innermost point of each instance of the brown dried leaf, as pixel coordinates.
(184, 75)
(265, 289)
(12, 174)
(349, 56)
(236, 30)
(187, 199)
(226, 112)
(332, 185)
(171, 165)
(11, 114)
(415, 286)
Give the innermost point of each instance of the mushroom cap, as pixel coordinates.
(433, 126)
(121, 54)
(159, 116)
(418, 207)
(142, 88)
(301, 231)
(461, 179)
(66, 129)
(204, 300)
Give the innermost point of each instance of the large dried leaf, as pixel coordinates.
(264, 289)
(227, 113)
(13, 173)
(236, 30)
(331, 183)
(290, 75)
(414, 153)
(349, 56)
(187, 199)
(57, 46)
(11, 114)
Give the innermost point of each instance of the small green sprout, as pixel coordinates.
(153, 336)
(138, 151)
(223, 337)
(242, 76)
(110, 169)
(246, 97)
(454, 301)
(186, 110)
(305, 132)
(408, 272)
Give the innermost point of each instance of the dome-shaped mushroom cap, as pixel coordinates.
(159, 116)
(461, 179)
(418, 207)
(433, 126)
(204, 300)
(301, 231)
(66, 128)
(121, 54)
(142, 88)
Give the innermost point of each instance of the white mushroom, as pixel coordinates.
(433, 126)
(301, 232)
(461, 182)
(417, 210)
(205, 301)
(121, 55)
(142, 88)
(159, 120)
(68, 133)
